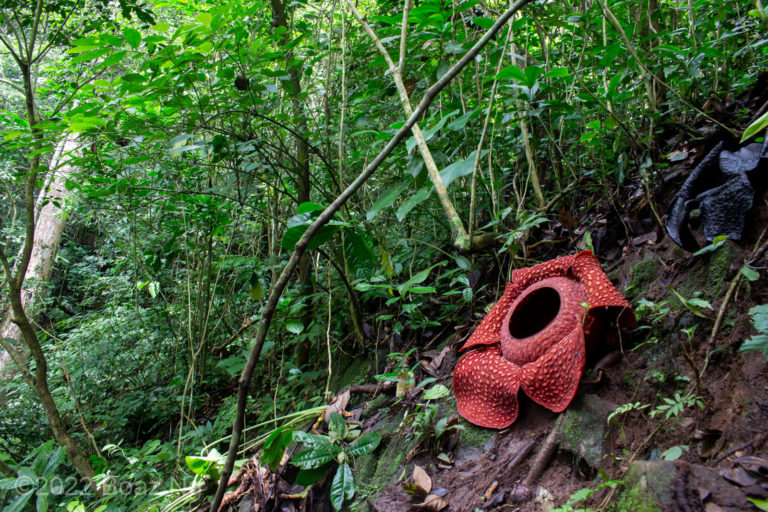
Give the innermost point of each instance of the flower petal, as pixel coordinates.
(487, 333)
(486, 385)
(600, 291)
(552, 380)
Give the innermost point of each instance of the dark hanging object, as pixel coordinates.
(722, 187)
(242, 83)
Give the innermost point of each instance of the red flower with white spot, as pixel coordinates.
(536, 337)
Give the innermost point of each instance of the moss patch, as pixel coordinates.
(646, 487)
(642, 274)
(355, 373)
(719, 269)
(374, 472)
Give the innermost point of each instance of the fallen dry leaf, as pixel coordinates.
(432, 503)
(422, 479)
(339, 404)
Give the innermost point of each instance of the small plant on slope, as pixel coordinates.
(759, 341)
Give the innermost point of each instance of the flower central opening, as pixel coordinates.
(534, 313)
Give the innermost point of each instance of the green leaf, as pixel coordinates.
(275, 445)
(41, 504)
(204, 18)
(307, 477)
(321, 450)
(316, 457)
(360, 255)
(760, 503)
(294, 326)
(417, 198)
(343, 485)
(672, 453)
(422, 289)
(205, 466)
(759, 317)
(756, 127)
(749, 273)
(460, 168)
(557, 73)
(93, 54)
(462, 121)
(436, 392)
(365, 444)
(338, 425)
(428, 134)
(18, 504)
(132, 37)
(532, 74)
(716, 242)
(757, 343)
(309, 207)
(512, 72)
(77, 506)
(161, 27)
(298, 224)
(484, 23)
(385, 200)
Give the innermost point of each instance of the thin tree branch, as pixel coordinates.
(458, 233)
(327, 214)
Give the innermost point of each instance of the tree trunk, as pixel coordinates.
(301, 178)
(48, 229)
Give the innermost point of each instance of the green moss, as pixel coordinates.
(642, 274)
(375, 471)
(471, 436)
(646, 487)
(374, 405)
(572, 431)
(719, 268)
(356, 372)
(635, 500)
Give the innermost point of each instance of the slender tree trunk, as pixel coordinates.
(301, 178)
(48, 230)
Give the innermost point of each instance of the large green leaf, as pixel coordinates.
(321, 450)
(428, 134)
(359, 252)
(365, 444)
(132, 37)
(343, 486)
(460, 168)
(298, 224)
(417, 198)
(338, 425)
(18, 504)
(756, 127)
(275, 445)
(315, 457)
(385, 200)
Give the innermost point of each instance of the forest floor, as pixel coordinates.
(673, 418)
(684, 445)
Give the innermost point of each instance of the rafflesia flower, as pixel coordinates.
(536, 337)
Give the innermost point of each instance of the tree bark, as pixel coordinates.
(302, 177)
(49, 227)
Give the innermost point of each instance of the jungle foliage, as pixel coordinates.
(211, 135)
